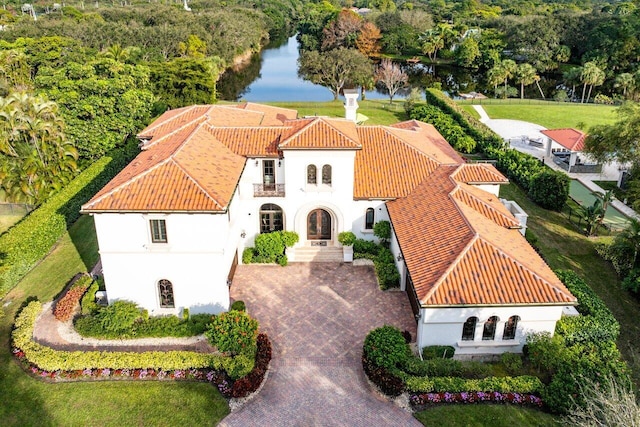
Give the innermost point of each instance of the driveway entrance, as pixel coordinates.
(317, 316)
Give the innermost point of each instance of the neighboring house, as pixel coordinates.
(566, 145)
(173, 224)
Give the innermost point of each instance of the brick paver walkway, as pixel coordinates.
(317, 316)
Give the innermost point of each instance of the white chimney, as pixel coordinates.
(351, 103)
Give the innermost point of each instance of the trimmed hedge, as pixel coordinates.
(521, 384)
(88, 303)
(438, 352)
(596, 323)
(65, 307)
(51, 360)
(33, 237)
(251, 382)
(270, 248)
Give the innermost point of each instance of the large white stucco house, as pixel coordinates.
(173, 224)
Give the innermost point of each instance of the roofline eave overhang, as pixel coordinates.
(320, 149)
(536, 304)
(150, 211)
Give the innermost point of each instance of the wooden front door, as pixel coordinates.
(319, 225)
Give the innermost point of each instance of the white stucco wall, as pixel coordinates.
(196, 259)
(443, 326)
(489, 188)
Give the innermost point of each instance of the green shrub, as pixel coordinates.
(632, 281)
(385, 347)
(596, 322)
(361, 246)
(185, 313)
(549, 189)
(432, 367)
(88, 303)
(270, 247)
(346, 238)
(522, 384)
(33, 237)
(120, 316)
(620, 253)
(238, 306)
(512, 362)
(473, 369)
(382, 230)
(248, 255)
(52, 360)
(233, 332)
(386, 270)
(65, 307)
(438, 352)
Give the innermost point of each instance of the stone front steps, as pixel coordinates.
(316, 254)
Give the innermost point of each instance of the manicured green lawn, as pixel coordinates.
(485, 415)
(28, 402)
(551, 115)
(565, 247)
(378, 110)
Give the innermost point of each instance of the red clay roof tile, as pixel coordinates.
(569, 138)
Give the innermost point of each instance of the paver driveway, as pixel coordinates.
(317, 316)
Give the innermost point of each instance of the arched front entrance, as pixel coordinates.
(319, 225)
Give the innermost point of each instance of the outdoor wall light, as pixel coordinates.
(243, 234)
(399, 258)
(279, 162)
(257, 162)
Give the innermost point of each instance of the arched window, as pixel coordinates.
(469, 329)
(369, 219)
(165, 290)
(271, 218)
(510, 328)
(326, 174)
(489, 331)
(311, 174)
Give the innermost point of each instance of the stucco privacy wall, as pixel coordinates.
(443, 326)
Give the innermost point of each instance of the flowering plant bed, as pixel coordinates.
(421, 400)
(46, 363)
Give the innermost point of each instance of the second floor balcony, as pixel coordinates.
(268, 190)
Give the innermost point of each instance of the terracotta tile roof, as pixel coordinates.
(474, 257)
(387, 166)
(273, 116)
(320, 133)
(251, 141)
(487, 204)
(479, 173)
(195, 173)
(433, 143)
(570, 138)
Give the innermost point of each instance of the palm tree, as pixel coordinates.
(590, 75)
(38, 159)
(572, 77)
(624, 81)
(525, 74)
(606, 198)
(591, 216)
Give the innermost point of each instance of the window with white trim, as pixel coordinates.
(165, 292)
(469, 329)
(369, 218)
(326, 174)
(489, 330)
(510, 327)
(158, 230)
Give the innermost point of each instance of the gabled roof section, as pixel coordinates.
(486, 204)
(322, 133)
(197, 174)
(475, 256)
(273, 116)
(430, 140)
(479, 173)
(388, 167)
(569, 138)
(251, 141)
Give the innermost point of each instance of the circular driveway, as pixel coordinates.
(317, 316)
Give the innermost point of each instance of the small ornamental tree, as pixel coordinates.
(549, 189)
(386, 347)
(382, 230)
(234, 332)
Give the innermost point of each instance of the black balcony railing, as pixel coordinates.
(268, 190)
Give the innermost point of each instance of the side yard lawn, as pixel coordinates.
(111, 403)
(565, 247)
(485, 415)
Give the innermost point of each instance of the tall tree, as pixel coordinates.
(525, 74)
(368, 41)
(571, 78)
(343, 31)
(619, 141)
(624, 81)
(591, 75)
(335, 68)
(391, 76)
(436, 39)
(36, 159)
